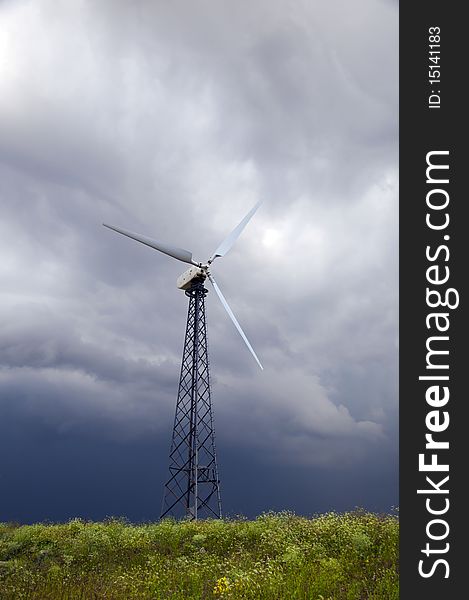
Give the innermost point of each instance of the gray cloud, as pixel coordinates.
(172, 120)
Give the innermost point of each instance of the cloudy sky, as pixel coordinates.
(173, 119)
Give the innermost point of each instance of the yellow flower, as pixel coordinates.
(222, 586)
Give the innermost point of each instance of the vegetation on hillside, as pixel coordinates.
(280, 556)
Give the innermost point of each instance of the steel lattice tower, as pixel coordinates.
(193, 487)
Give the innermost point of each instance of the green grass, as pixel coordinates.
(278, 556)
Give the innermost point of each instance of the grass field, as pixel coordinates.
(333, 556)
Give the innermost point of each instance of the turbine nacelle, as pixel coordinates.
(185, 280)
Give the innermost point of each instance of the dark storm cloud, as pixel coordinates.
(172, 120)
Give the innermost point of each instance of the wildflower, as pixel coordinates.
(222, 586)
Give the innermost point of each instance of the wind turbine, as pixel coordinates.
(193, 487)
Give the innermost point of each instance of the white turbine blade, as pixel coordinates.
(228, 242)
(178, 253)
(233, 318)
